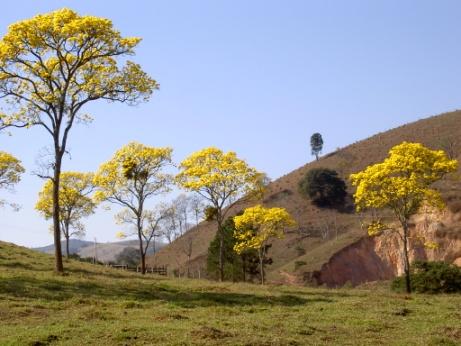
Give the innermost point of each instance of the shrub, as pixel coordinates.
(324, 187)
(431, 277)
(129, 256)
(210, 213)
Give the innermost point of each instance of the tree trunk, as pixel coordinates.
(65, 231)
(59, 268)
(143, 263)
(188, 268)
(143, 255)
(406, 258)
(261, 265)
(67, 246)
(244, 268)
(139, 226)
(221, 249)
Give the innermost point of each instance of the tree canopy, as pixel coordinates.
(324, 187)
(10, 172)
(402, 182)
(217, 176)
(54, 63)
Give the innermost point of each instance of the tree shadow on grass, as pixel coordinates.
(328, 293)
(24, 266)
(108, 273)
(61, 290)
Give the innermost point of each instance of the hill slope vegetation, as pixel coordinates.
(324, 232)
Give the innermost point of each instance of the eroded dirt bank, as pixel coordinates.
(380, 258)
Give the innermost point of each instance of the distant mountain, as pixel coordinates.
(105, 252)
(75, 245)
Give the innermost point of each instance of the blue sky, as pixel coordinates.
(256, 77)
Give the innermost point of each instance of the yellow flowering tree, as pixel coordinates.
(402, 183)
(133, 175)
(75, 203)
(256, 226)
(10, 171)
(221, 178)
(55, 63)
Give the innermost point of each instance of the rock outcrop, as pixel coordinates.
(380, 258)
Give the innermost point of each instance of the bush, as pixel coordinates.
(129, 256)
(431, 277)
(324, 187)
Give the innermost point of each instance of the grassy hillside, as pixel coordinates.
(94, 305)
(324, 232)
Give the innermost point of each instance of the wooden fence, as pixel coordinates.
(149, 270)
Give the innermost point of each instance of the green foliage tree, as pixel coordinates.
(316, 144)
(402, 183)
(324, 187)
(237, 267)
(55, 63)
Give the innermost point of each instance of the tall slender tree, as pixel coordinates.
(55, 63)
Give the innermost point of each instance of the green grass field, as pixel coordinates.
(92, 305)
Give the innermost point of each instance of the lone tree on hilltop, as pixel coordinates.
(402, 183)
(220, 178)
(75, 203)
(54, 64)
(316, 144)
(324, 187)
